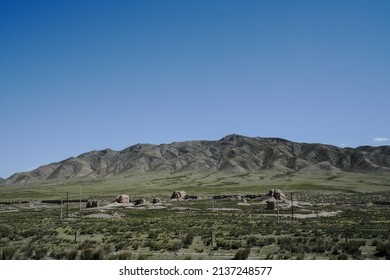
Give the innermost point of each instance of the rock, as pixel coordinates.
(228, 196)
(139, 201)
(156, 200)
(195, 197)
(123, 198)
(271, 203)
(92, 204)
(179, 195)
(277, 194)
(253, 196)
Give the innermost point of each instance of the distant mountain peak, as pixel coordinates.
(233, 154)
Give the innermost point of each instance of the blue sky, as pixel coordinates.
(81, 75)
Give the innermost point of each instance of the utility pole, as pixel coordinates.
(62, 204)
(358, 202)
(277, 206)
(213, 199)
(80, 200)
(292, 208)
(67, 205)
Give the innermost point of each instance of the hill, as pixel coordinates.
(231, 154)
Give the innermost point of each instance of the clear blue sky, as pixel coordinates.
(77, 76)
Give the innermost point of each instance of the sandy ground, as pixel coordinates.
(311, 215)
(105, 216)
(224, 209)
(244, 204)
(184, 208)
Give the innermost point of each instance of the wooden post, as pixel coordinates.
(213, 199)
(212, 238)
(67, 205)
(62, 205)
(292, 208)
(80, 201)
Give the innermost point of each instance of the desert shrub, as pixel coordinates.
(156, 245)
(7, 253)
(153, 234)
(142, 257)
(175, 245)
(58, 254)
(5, 231)
(71, 254)
(242, 254)
(122, 256)
(120, 246)
(235, 245)
(342, 256)
(187, 241)
(135, 245)
(206, 241)
(28, 250)
(383, 250)
(41, 252)
(251, 241)
(285, 242)
(87, 244)
(62, 254)
(224, 244)
(300, 256)
(86, 254)
(91, 254)
(269, 241)
(351, 248)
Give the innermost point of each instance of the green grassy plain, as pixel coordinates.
(159, 184)
(337, 216)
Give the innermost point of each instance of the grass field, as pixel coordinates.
(337, 216)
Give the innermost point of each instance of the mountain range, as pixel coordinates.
(231, 154)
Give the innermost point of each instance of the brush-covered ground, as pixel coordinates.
(336, 216)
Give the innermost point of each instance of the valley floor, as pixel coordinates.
(324, 226)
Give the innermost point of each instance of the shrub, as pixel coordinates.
(342, 257)
(242, 254)
(156, 245)
(87, 244)
(124, 256)
(383, 250)
(175, 245)
(187, 241)
(142, 257)
(91, 254)
(353, 247)
(72, 254)
(119, 246)
(7, 253)
(41, 252)
(251, 241)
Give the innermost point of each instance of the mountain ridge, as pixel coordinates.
(232, 153)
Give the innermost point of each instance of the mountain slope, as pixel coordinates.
(233, 154)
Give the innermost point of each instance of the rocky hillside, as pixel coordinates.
(233, 153)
